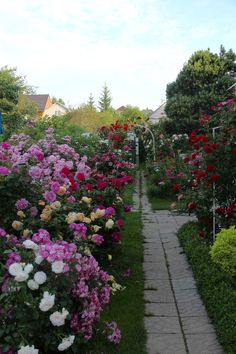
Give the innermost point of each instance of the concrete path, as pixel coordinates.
(175, 317)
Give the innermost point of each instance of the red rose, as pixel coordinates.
(214, 177)
(191, 205)
(210, 167)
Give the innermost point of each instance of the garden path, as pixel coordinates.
(176, 320)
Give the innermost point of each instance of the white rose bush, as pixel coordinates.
(54, 305)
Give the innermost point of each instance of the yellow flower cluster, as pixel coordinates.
(47, 211)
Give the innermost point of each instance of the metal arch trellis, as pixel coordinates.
(144, 130)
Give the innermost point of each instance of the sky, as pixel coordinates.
(71, 48)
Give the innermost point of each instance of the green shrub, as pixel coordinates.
(223, 252)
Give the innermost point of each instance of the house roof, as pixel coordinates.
(121, 109)
(40, 100)
(60, 104)
(159, 112)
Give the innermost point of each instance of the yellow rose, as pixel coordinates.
(17, 225)
(80, 216)
(87, 251)
(86, 200)
(21, 214)
(71, 217)
(93, 216)
(46, 216)
(96, 228)
(55, 205)
(62, 190)
(100, 213)
(87, 220)
(27, 232)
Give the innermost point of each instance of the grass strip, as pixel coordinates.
(127, 306)
(217, 289)
(164, 204)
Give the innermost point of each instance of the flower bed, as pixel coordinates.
(65, 217)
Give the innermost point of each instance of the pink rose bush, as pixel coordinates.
(61, 214)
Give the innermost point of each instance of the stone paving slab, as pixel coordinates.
(166, 344)
(159, 295)
(167, 325)
(203, 343)
(197, 325)
(161, 309)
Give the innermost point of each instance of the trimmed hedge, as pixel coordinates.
(217, 288)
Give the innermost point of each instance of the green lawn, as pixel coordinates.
(164, 204)
(127, 306)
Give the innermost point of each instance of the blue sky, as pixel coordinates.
(70, 48)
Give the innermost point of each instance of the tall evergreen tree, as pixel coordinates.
(104, 103)
(201, 84)
(91, 103)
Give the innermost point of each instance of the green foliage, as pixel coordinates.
(201, 83)
(131, 113)
(89, 119)
(59, 100)
(223, 251)
(13, 107)
(105, 99)
(217, 289)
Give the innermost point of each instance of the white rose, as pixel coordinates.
(66, 343)
(58, 266)
(40, 277)
(58, 318)
(32, 284)
(47, 302)
(30, 245)
(15, 268)
(21, 276)
(38, 259)
(109, 223)
(28, 268)
(28, 350)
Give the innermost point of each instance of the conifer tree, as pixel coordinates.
(91, 103)
(104, 103)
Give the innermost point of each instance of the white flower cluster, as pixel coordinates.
(66, 343)
(47, 302)
(28, 350)
(109, 224)
(58, 267)
(20, 271)
(39, 279)
(176, 137)
(58, 318)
